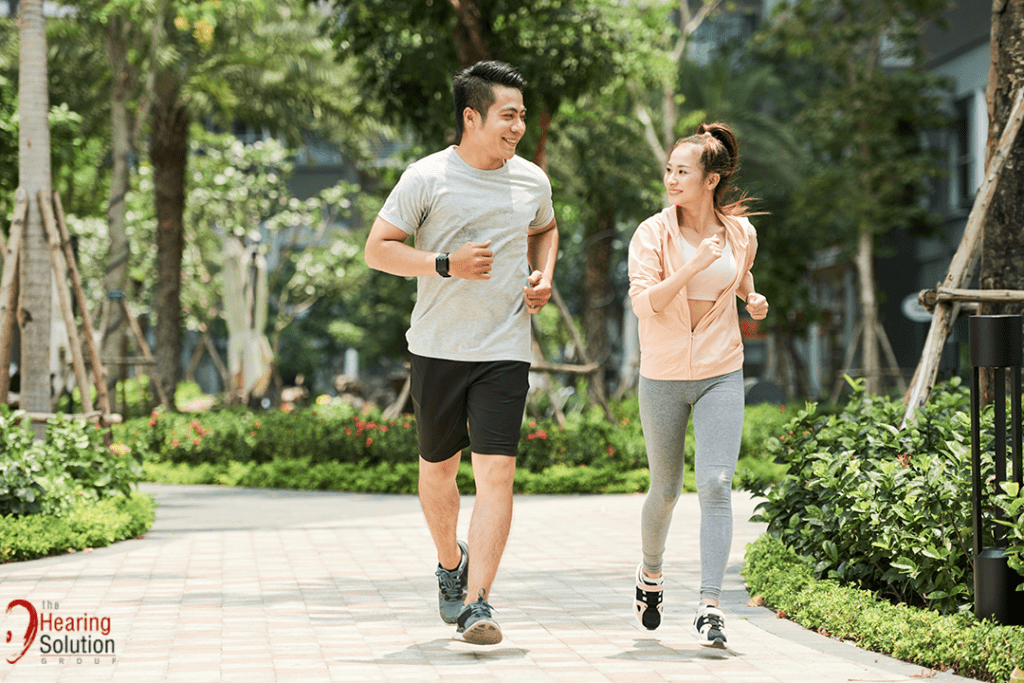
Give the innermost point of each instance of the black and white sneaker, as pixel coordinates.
(451, 587)
(709, 627)
(649, 594)
(476, 625)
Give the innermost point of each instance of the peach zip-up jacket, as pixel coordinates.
(669, 350)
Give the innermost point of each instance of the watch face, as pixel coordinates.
(441, 263)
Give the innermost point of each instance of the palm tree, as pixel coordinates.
(34, 273)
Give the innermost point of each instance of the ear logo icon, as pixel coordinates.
(30, 632)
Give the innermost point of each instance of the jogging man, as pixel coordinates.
(484, 257)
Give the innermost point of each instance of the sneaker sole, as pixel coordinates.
(483, 632)
(717, 644)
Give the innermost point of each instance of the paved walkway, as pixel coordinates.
(255, 585)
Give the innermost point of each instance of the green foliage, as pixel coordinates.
(1011, 501)
(396, 477)
(89, 524)
(880, 508)
(331, 447)
(786, 581)
(69, 464)
(860, 102)
(407, 55)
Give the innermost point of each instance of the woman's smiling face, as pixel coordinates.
(684, 178)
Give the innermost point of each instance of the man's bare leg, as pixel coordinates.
(491, 521)
(439, 497)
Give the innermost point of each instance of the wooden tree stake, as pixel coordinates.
(9, 290)
(64, 296)
(99, 372)
(961, 267)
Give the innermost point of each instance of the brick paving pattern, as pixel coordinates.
(255, 585)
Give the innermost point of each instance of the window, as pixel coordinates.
(963, 158)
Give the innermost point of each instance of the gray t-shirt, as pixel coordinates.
(446, 203)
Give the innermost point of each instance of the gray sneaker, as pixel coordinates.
(476, 625)
(451, 587)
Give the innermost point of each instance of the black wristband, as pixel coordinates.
(441, 264)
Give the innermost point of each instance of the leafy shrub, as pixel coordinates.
(87, 524)
(880, 508)
(1011, 501)
(976, 649)
(48, 476)
(333, 432)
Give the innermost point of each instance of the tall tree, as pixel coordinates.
(1003, 240)
(408, 51)
(251, 62)
(1002, 247)
(34, 307)
(861, 100)
(129, 29)
(675, 22)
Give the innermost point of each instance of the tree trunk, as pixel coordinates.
(469, 34)
(116, 276)
(597, 295)
(34, 309)
(168, 153)
(868, 310)
(1002, 246)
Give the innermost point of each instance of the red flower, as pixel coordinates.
(196, 441)
(369, 441)
(175, 443)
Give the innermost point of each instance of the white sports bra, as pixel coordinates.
(708, 284)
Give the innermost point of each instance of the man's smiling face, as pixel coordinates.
(503, 127)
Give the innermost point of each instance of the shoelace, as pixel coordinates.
(450, 583)
(480, 605)
(713, 620)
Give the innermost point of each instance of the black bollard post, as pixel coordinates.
(995, 342)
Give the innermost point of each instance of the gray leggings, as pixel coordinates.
(717, 405)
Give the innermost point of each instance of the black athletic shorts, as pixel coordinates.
(487, 396)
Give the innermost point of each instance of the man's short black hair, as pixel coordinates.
(473, 87)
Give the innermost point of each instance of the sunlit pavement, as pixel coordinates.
(256, 585)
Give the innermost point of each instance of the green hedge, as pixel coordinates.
(89, 524)
(886, 509)
(786, 582)
(220, 444)
(301, 474)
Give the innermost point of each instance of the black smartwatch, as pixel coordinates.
(441, 264)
